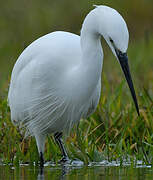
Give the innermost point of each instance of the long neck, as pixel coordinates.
(86, 75)
(92, 53)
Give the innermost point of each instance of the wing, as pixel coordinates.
(37, 78)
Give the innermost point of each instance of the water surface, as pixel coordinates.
(82, 173)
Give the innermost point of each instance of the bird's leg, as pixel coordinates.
(40, 140)
(41, 160)
(59, 141)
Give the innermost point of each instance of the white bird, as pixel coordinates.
(56, 80)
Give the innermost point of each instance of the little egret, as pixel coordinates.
(56, 80)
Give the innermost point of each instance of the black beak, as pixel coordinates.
(123, 59)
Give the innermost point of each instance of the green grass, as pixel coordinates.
(113, 132)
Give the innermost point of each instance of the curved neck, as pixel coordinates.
(86, 75)
(92, 53)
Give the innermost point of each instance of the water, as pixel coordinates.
(91, 172)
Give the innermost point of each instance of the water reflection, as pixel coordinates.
(64, 171)
(41, 174)
(81, 173)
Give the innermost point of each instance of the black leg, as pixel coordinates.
(41, 160)
(58, 139)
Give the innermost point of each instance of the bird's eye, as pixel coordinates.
(111, 40)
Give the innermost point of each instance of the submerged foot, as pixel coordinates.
(64, 160)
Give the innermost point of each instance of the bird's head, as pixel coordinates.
(113, 28)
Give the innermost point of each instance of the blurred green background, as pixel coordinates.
(22, 21)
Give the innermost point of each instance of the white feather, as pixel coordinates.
(57, 79)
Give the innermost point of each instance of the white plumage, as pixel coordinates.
(57, 79)
(45, 85)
